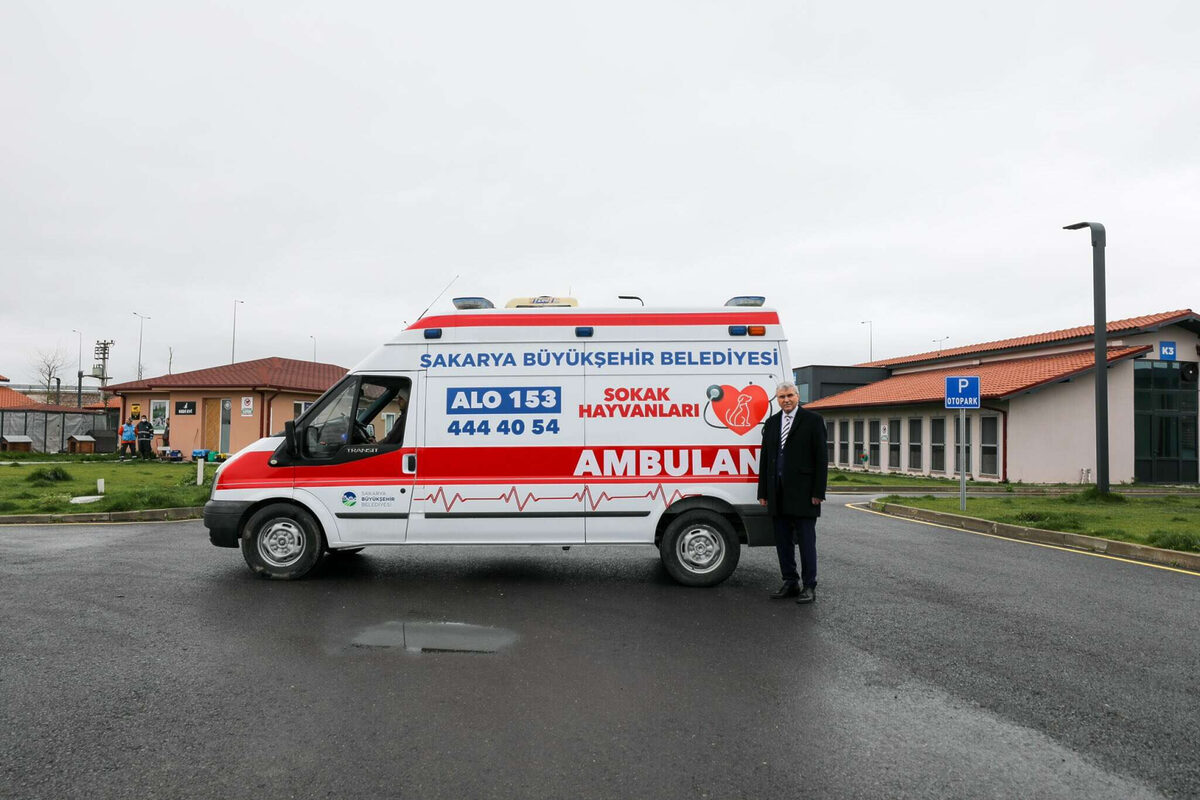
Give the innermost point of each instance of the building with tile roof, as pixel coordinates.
(228, 407)
(1037, 423)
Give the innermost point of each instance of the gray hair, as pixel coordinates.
(786, 385)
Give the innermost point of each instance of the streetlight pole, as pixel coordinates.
(314, 338)
(870, 338)
(233, 345)
(1101, 342)
(79, 377)
(142, 322)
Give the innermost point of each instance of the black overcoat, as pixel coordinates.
(805, 468)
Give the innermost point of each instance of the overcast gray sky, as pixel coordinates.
(335, 164)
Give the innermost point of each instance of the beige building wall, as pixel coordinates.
(1053, 433)
(268, 412)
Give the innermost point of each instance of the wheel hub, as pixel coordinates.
(701, 549)
(281, 542)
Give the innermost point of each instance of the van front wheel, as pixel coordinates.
(282, 541)
(699, 548)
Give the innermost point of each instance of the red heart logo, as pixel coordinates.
(741, 410)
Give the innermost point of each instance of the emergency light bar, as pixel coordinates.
(542, 301)
(752, 300)
(471, 303)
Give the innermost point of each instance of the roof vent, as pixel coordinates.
(542, 301)
(471, 303)
(753, 300)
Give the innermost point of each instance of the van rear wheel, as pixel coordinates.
(699, 548)
(282, 541)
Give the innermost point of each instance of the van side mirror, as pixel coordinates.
(289, 436)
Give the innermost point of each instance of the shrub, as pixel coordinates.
(1050, 520)
(1093, 495)
(1176, 540)
(45, 475)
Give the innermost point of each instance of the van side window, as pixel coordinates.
(349, 415)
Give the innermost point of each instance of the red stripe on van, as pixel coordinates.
(551, 319)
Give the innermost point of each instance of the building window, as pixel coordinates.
(859, 451)
(829, 442)
(989, 447)
(299, 407)
(804, 392)
(844, 441)
(957, 434)
(937, 444)
(893, 431)
(914, 443)
(873, 430)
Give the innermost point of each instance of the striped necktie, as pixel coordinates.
(785, 427)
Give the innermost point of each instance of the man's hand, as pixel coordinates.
(818, 500)
(762, 502)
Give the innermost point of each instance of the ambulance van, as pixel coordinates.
(542, 425)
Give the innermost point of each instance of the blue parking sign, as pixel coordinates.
(962, 391)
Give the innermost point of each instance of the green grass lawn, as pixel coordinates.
(129, 486)
(1171, 521)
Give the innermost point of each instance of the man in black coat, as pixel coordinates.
(792, 474)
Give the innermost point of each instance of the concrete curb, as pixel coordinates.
(1078, 541)
(149, 515)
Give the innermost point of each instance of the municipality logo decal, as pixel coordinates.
(349, 499)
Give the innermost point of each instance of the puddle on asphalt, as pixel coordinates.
(435, 637)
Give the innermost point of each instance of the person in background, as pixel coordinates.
(145, 435)
(128, 435)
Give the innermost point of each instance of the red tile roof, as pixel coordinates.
(997, 379)
(286, 374)
(3, 379)
(1142, 324)
(11, 398)
(112, 402)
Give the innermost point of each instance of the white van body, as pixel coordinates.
(556, 426)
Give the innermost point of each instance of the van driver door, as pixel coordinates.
(356, 459)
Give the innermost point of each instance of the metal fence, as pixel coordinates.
(50, 429)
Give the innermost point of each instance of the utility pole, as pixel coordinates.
(142, 321)
(79, 375)
(233, 345)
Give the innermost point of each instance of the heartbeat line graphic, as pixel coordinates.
(513, 494)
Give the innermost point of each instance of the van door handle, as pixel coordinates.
(410, 464)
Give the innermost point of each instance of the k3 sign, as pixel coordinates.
(962, 391)
(1166, 351)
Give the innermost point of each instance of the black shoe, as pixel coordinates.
(789, 589)
(807, 595)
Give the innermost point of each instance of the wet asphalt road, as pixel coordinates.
(139, 661)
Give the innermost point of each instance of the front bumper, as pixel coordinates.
(223, 518)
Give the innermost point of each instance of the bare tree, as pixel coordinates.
(47, 364)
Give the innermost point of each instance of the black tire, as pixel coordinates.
(282, 541)
(699, 548)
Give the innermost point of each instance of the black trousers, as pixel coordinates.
(144, 448)
(792, 531)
